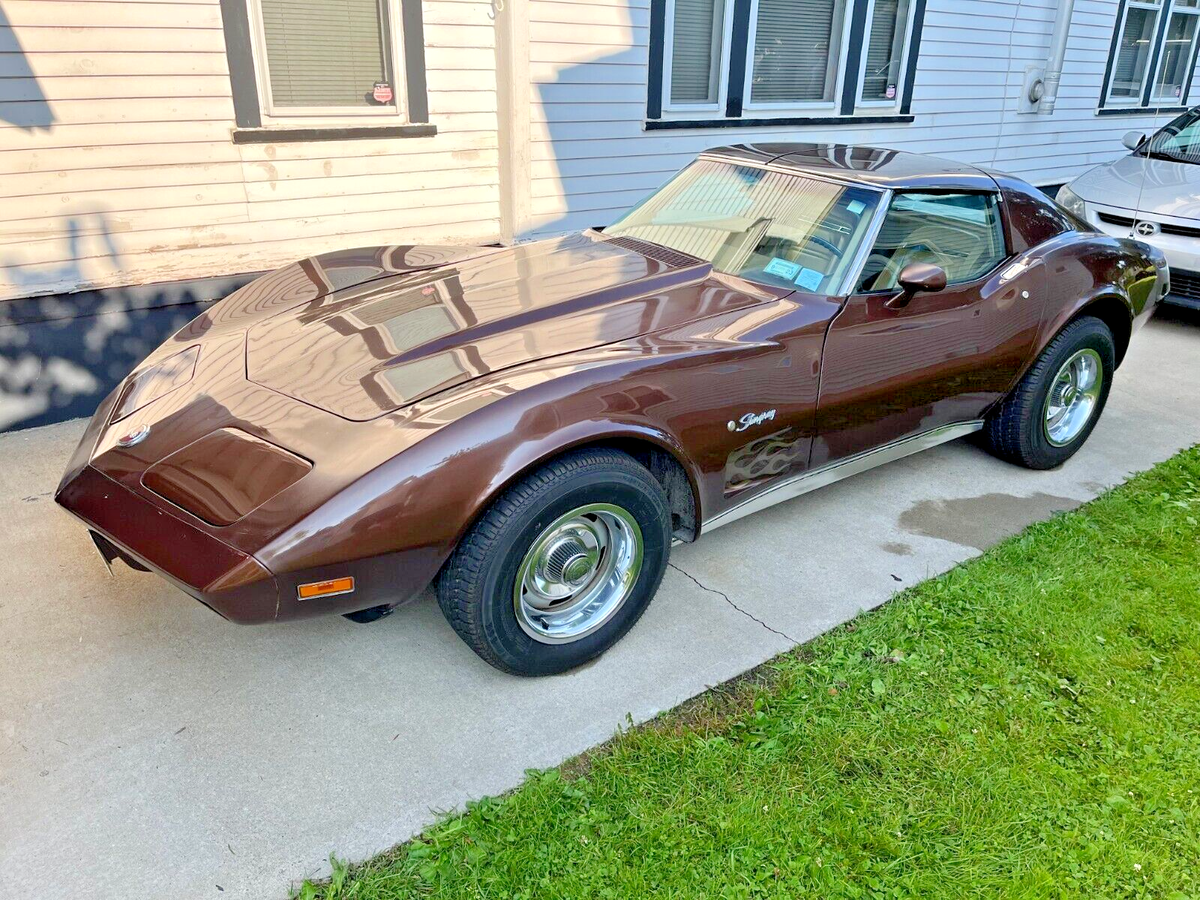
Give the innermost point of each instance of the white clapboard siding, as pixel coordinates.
(136, 178)
(232, 252)
(127, 63)
(113, 87)
(591, 156)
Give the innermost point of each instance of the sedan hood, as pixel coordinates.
(369, 349)
(1151, 185)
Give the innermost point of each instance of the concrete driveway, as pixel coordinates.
(149, 749)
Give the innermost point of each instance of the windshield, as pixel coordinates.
(772, 227)
(1178, 141)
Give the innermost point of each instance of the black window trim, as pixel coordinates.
(1106, 107)
(734, 101)
(247, 107)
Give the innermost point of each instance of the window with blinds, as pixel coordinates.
(326, 54)
(697, 33)
(1178, 49)
(797, 47)
(791, 59)
(885, 50)
(1154, 53)
(1133, 52)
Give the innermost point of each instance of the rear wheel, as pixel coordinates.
(1054, 408)
(561, 565)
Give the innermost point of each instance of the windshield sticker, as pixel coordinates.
(783, 268)
(809, 279)
(856, 206)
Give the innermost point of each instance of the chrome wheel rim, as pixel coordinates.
(1073, 397)
(577, 573)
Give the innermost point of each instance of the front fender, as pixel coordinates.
(394, 527)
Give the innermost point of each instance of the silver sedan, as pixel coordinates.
(1152, 194)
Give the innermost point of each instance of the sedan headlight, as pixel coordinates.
(1071, 202)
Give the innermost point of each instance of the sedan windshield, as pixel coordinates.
(776, 228)
(1178, 141)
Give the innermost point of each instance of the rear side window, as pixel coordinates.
(1036, 218)
(961, 233)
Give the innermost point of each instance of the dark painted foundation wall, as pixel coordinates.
(61, 354)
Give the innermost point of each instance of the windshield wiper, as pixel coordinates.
(1158, 154)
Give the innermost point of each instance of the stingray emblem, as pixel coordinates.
(749, 420)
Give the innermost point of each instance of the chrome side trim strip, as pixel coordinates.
(842, 468)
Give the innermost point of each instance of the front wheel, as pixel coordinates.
(561, 565)
(1054, 408)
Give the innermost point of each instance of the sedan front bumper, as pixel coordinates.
(1178, 239)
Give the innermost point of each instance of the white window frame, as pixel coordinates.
(668, 105)
(901, 75)
(275, 115)
(839, 79)
(1136, 100)
(1170, 12)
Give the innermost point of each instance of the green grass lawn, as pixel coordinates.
(1027, 725)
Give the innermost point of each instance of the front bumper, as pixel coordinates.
(1185, 288)
(1179, 243)
(229, 582)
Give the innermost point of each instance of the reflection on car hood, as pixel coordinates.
(365, 350)
(1152, 185)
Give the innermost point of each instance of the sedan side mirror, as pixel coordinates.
(1133, 139)
(918, 278)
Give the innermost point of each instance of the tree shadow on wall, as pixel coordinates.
(576, 106)
(61, 354)
(23, 103)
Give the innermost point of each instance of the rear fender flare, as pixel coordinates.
(1106, 303)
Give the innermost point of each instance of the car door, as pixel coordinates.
(892, 369)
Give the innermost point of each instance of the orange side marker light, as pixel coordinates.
(330, 588)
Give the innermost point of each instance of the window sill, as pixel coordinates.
(1140, 110)
(890, 119)
(331, 133)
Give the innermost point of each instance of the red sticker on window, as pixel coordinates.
(890, 93)
(382, 92)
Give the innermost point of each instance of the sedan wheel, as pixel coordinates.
(561, 565)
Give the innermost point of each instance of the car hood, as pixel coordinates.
(1151, 185)
(368, 349)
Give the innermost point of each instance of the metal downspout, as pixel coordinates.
(1058, 52)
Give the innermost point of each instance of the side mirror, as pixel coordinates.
(918, 278)
(1133, 139)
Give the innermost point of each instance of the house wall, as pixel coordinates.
(591, 157)
(117, 165)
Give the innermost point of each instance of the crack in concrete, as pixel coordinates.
(725, 597)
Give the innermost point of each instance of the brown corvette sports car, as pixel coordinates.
(530, 428)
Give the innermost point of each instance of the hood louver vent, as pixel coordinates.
(666, 255)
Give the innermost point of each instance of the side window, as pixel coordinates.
(305, 65)
(762, 59)
(326, 57)
(959, 232)
(1153, 50)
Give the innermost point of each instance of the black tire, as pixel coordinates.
(476, 586)
(1015, 430)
